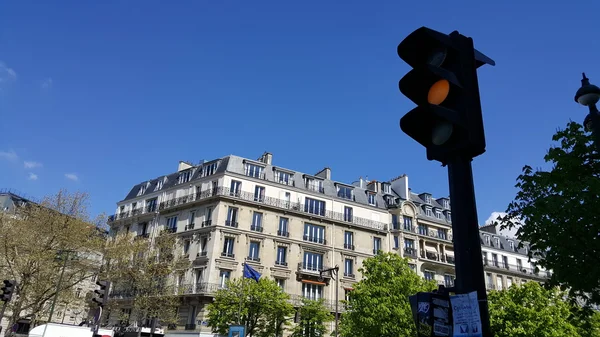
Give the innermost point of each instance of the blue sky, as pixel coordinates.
(105, 94)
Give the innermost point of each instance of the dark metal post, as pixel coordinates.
(595, 127)
(467, 245)
(334, 274)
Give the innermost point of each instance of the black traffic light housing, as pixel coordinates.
(443, 83)
(8, 289)
(101, 297)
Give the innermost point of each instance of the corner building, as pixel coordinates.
(286, 224)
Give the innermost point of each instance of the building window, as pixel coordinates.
(253, 252)
(186, 247)
(257, 222)
(185, 176)
(347, 213)
(412, 267)
(208, 215)
(494, 260)
(313, 261)
(142, 190)
(395, 224)
(372, 201)
(407, 223)
(232, 215)
(428, 211)
(344, 192)
(422, 229)
(438, 214)
(512, 245)
(312, 291)
(259, 194)
(429, 275)
(387, 188)
(497, 241)
(442, 233)
(210, 169)
(151, 205)
(283, 178)
(172, 223)
(203, 245)
(509, 282)
(159, 185)
(505, 261)
(283, 227)
(281, 256)
(254, 171)
(314, 184)
(396, 241)
(487, 240)
(519, 265)
(224, 277)
(314, 206)
(280, 282)
(349, 268)
(349, 240)
(228, 247)
(314, 233)
(427, 198)
(376, 245)
(499, 284)
(485, 258)
(236, 187)
(192, 219)
(448, 216)
(445, 203)
(449, 281)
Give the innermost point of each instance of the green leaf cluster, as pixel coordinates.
(262, 307)
(313, 314)
(530, 310)
(378, 305)
(558, 212)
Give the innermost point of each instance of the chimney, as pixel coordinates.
(400, 185)
(266, 158)
(324, 173)
(183, 166)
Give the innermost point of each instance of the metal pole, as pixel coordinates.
(241, 298)
(595, 119)
(467, 245)
(62, 273)
(337, 289)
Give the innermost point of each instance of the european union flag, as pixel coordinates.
(250, 272)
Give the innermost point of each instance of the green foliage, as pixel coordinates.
(313, 316)
(35, 240)
(560, 209)
(531, 311)
(264, 307)
(143, 268)
(378, 305)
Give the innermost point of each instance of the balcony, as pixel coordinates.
(315, 188)
(349, 275)
(271, 202)
(410, 252)
(450, 259)
(189, 226)
(230, 223)
(170, 230)
(430, 256)
(283, 233)
(517, 270)
(206, 223)
(314, 239)
(256, 228)
(348, 246)
(228, 254)
(150, 209)
(253, 258)
(281, 263)
(312, 269)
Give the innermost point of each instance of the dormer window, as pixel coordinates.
(487, 239)
(387, 188)
(428, 211)
(427, 198)
(142, 189)
(210, 169)
(159, 184)
(391, 200)
(371, 198)
(314, 184)
(511, 245)
(497, 242)
(185, 176)
(438, 214)
(283, 177)
(448, 216)
(344, 192)
(445, 203)
(254, 171)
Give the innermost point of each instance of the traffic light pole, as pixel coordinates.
(59, 284)
(465, 228)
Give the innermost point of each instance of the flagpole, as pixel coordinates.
(241, 297)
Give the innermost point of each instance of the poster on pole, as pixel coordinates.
(465, 315)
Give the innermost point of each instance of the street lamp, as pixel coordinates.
(588, 95)
(333, 273)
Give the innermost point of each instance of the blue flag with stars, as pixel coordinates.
(250, 272)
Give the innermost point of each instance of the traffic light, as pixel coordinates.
(101, 297)
(443, 84)
(8, 289)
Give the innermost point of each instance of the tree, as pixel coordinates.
(378, 304)
(35, 241)
(313, 316)
(261, 306)
(140, 269)
(558, 212)
(530, 310)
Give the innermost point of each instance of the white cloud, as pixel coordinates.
(31, 164)
(47, 83)
(494, 217)
(71, 176)
(7, 74)
(9, 155)
(32, 176)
